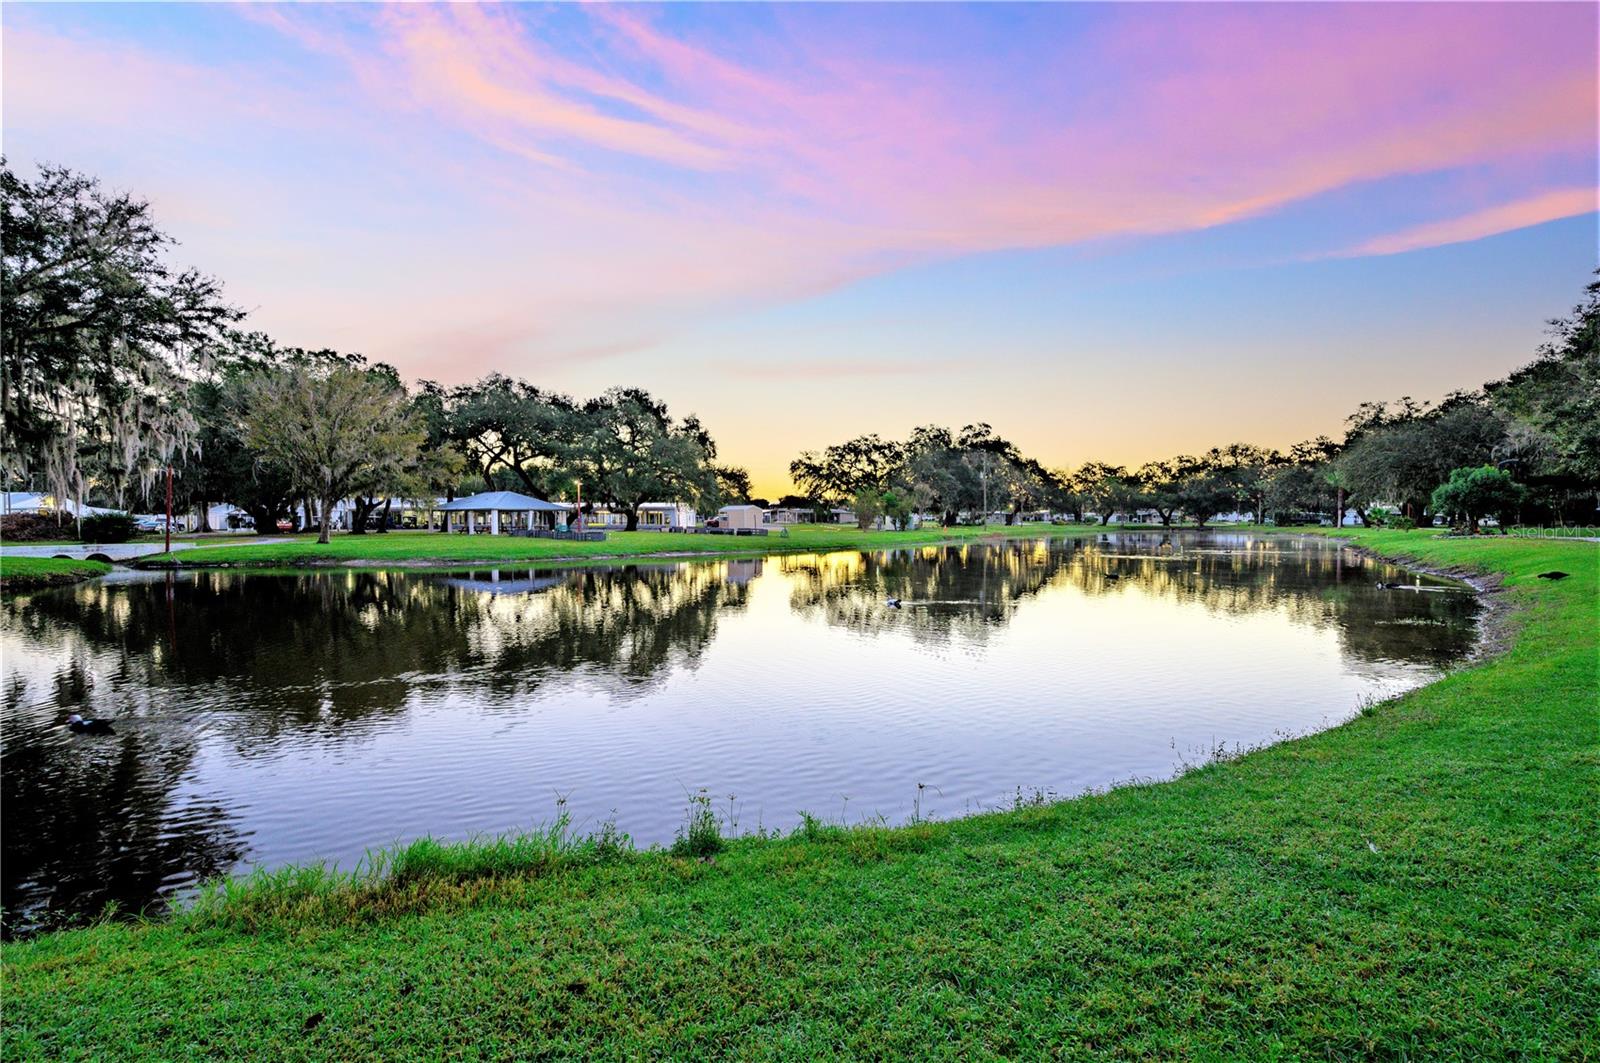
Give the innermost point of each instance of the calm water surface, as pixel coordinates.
(264, 719)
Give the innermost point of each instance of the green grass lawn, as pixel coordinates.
(399, 548)
(1419, 883)
(31, 573)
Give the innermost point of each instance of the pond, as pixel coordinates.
(264, 719)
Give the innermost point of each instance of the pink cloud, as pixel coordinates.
(575, 198)
(1535, 210)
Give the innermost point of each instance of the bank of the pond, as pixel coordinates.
(1416, 883)
(19, 574)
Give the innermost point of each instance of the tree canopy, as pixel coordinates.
(338, 431)
(101, 336)
(1552, 405)
(1472, 494)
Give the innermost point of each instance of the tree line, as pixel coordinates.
(1525, 447)
(118, 372)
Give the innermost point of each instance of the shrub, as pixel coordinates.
(33, 527)
(701, 834)
(1472, 494)
(108, 528)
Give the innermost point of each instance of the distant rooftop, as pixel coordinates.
(501, 500)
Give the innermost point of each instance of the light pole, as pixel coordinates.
(168, 548)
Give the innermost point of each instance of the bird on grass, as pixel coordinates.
(89, 727)
(1555, 574)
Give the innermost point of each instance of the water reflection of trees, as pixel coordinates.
(952, 591)
(332, 648)
(967, 591)
(97, 819)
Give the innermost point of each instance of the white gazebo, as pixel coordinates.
(507, 509)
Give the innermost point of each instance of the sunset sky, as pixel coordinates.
(1113, 232)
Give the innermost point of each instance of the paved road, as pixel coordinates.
(121, 551)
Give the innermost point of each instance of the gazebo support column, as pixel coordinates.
(470, 529)
(494, 522)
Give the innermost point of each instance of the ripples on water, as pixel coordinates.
(265, 719)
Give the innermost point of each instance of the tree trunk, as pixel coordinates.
(327, 520)
(633, 518)
(266, 519)
(528, 485)
(363, 508)
(388, 506)
(203, 512)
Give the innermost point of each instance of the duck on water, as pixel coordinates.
(89, 727)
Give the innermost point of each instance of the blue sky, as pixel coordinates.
(1113, 232)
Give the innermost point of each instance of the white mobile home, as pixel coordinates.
(666, 516)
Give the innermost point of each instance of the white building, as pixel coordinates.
(495, 511)
(38, 502)
(665, 516)
(741, 518)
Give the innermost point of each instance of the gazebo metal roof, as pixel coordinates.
(501, 500)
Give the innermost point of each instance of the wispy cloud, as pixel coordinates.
(1504, 217)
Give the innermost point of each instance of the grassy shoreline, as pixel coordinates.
(430, 549)
(21, 574)
(1416, 882)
